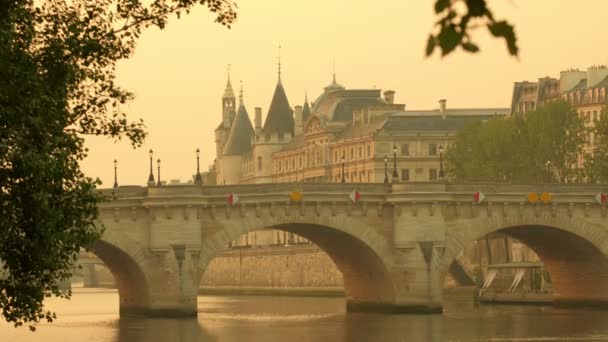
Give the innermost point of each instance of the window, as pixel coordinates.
(293, 164)
(360, 152)
(405, 149)
(433, 174)
(361, 176)
(369, 150)
(352, 153)
(266, 137)
(259, 163)
(405, 175)
(280, 136)
(336, 156)
(432, 149)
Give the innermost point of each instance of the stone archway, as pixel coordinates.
(574, 252)
(361, 255)
(130, 280)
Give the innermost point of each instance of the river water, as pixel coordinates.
(92, 315)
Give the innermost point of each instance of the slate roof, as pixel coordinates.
(427, 123)
(241, 133)
(305, 111)
(582, 85)
(603, 83)
(280, 115)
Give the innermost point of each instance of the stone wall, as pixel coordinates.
(273, 266)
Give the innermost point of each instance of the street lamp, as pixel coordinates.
(385, 169)
(440, 162)
(198, 179)
(395, 174)
(151, 176)
(343, 179)
(158, 165)
(115, 174)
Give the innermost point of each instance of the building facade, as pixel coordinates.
(345, 135)
(584, 90)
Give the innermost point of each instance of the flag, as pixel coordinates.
(233, 198)
(479, 196)
(295, 196)
(354, 196)
(601, 198)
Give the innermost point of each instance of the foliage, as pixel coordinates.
(57, 85)
(535, 147)
(458, 18)
(596, 163)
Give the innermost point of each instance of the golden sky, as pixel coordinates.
(178, 74)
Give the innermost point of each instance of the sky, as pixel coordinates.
(178, 74)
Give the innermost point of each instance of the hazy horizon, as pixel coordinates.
(179, 74)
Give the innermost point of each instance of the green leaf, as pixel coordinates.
(448, 39)
(441, 5)
(430, 45)
(470, 47)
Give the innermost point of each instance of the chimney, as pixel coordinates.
(443, 108)
(389, 96)
(298, 120)
(258, 120)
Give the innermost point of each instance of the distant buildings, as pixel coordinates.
(350, 135)
(584, 90)
(350, 129)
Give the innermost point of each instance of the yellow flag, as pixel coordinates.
(545, 197)
(295, 196)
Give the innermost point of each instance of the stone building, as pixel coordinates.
(584, 90)
(345, 135)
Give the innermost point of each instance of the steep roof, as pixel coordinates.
(427, 123)
(305, 110)
(241, 133)
(280, 115)
(228, 92)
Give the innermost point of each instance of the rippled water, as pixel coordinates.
(93, 316)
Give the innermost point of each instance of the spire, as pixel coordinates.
(228, 92)
(241, 94)
(279, 63)
(305, 108)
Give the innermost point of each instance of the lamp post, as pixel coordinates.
(158, 165)
(440, 162)
(151, 181)
(198, 179)
(395, 174)
(343, 179)
(385, 169)
(115, 174)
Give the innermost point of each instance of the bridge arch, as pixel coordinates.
(123, 258)
(359, 252)
(574, 251)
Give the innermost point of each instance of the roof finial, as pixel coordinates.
(228, 68)
(334, 79)
(241, 93)
(305, 96)
(279, 62)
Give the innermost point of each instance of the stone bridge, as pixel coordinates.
(393, 247)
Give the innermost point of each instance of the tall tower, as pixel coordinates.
(228, 104)
(222, 130)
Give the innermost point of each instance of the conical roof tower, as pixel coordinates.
(241, 132)
(280, 115)
(305, 108)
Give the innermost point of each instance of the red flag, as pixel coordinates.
(479, 196)
(354, 196)
(233, 198)
(601, 198)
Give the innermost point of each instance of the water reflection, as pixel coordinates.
(133, 329)
(93, 316)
